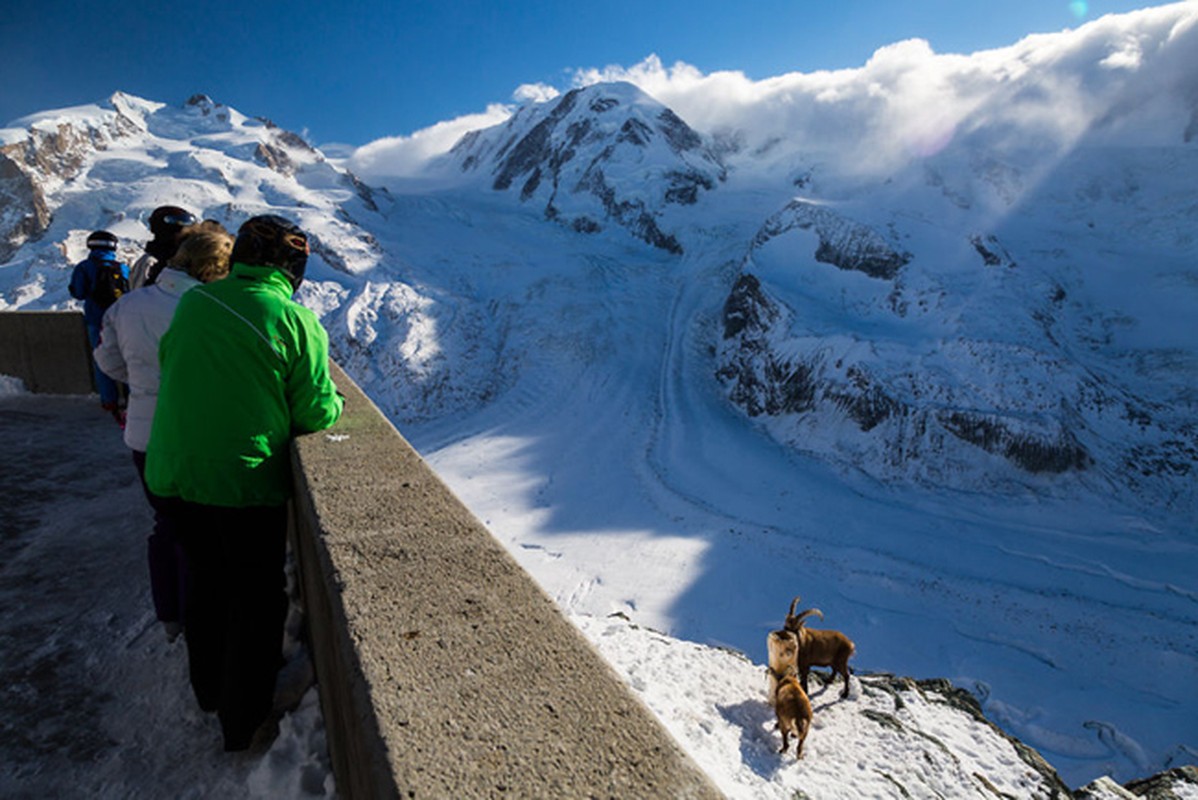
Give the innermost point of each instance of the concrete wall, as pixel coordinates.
(47, 350)
(444, 670)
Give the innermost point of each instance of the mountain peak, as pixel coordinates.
(598, 155)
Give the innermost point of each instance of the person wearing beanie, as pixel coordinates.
(167, 224)
(244, 369)
(99, 280)
(128, 352)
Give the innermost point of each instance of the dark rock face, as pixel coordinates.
(24, 213)
(1169, 785)
(537, 146)
(1031, 453)
(843, 243)
(747, 307)
(58, 153)
(679, 134)
(992, 252)
(283, 151)
(582, 155)
(865, 402)
(685, 186)
(274, 157)
(365, 193)
(762, 383)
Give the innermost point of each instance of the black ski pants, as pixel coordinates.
(164, 551)
(236, 606)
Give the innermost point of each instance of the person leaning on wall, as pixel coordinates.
(244, 369)
(128, 351)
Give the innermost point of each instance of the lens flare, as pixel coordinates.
(1080, 8)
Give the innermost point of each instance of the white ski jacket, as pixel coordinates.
(128, 349)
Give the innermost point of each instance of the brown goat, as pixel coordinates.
(819, 648)
(793, 710)
(790, 702)
(783, 650)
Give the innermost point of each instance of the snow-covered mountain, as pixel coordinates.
(917, 347)
(603, 155)
(917, 344)
(66, 172)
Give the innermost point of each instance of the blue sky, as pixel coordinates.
(359, 70)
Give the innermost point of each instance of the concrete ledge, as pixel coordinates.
(47, 350)
(445, 671)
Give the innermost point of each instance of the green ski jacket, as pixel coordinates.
(244, 369)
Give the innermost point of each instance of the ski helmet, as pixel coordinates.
(168, 220)
(101, 240)
(272, 241)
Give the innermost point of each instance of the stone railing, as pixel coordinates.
(445, 671)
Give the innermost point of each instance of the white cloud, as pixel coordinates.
(409, 156)
(906, 102)
(535, 93)
(406, 156)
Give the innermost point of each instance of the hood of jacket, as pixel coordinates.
(175, 281)
(275, 277)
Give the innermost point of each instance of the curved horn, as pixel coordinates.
(802, 617)
(794, 603)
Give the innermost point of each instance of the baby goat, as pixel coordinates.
(819, 648)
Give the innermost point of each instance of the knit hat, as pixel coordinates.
(101, 240)
(272, 241)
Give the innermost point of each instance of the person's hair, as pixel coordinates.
(204, 254)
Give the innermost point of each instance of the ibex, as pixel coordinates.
(783, 649)
(819, 648)
(791, 705)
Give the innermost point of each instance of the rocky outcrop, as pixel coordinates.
(283, 151)
(51, 154)
(842, 242)
(893, 736)
(1040, 779)
(991, 250)
(1179, 783)
(1030, 453)
(23, 211)
(810, 383)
